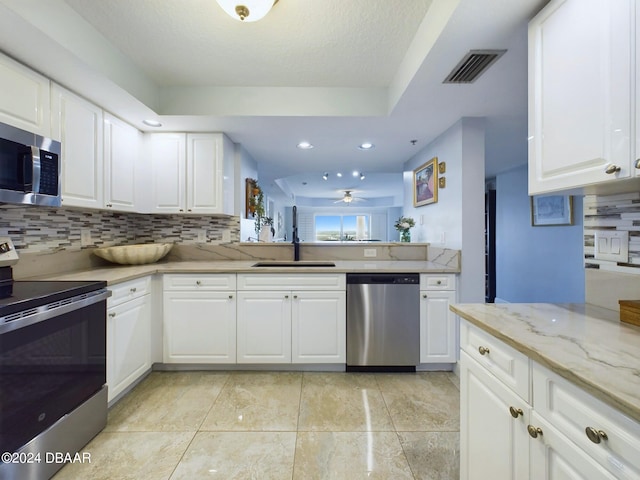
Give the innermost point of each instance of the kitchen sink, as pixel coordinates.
(293, 264)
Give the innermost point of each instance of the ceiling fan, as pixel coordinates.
(348, 198)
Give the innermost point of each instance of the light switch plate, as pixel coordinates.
(202, 236)
(612, 245)
(85, 237)
(226, 236)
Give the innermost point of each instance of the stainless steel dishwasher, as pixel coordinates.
(383, 321)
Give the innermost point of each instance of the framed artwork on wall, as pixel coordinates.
(425, 183)
(549, 210)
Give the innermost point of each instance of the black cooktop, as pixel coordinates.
(23, 295)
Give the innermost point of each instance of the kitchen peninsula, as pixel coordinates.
(558, 387)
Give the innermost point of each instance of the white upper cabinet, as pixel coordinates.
(121, 154)
(24, 98)
(188, 172)
(78, 124)
(581, 94)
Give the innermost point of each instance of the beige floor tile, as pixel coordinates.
(130, 456)
(167, 401)
(238, 455)
(350, 455)
(432, 455)
(454, 379)
(347, 402)
(257, 402)
(421, 401)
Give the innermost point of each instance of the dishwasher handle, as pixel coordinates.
(383, 278)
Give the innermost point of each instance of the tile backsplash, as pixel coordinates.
(612, 212)
(43, 229)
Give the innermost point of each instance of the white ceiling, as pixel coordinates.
(332, 72)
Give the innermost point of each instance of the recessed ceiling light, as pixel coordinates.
(338, 174)
(152, 123)
(305, 145)
(325, 176)
(366, 146)
(361, 176)
(355, 174)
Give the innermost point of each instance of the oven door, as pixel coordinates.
(51, 361)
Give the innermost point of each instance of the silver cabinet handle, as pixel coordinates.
(112, 314)
(230, 296)
(286, 296)
(637, 164)
(439, 282)
(295, 296)
(133, 290)
(424, 295)
(611, 169)
(198, 282)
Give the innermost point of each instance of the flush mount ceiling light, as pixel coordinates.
(305, 146)
(247, 10)
(366, 146)
(152, 123)
(338, 174)
(361, 176)
(325, 176)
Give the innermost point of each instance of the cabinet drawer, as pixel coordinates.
(123, 292)
(573, 411)
(293, 281)
(437, 282)
(207, 281)
(505, 362)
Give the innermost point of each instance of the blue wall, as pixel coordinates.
(535, 264)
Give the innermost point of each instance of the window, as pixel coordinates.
(342, 228)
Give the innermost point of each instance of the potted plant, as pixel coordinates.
(403, 224)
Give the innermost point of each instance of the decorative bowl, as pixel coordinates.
(134, 254)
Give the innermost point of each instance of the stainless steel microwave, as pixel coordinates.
(29, 168)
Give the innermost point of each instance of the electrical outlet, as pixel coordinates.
(202, 236)
(85, 237)
(370, 252)
(226, 236)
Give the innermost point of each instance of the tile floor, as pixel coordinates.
(285, 425)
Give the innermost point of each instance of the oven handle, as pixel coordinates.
(51, 310)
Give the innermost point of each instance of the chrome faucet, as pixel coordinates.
(295, 240)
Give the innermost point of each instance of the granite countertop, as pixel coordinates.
(583, 343)
(120, 273)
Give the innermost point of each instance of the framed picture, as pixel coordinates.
(425, 183)
(547, 210)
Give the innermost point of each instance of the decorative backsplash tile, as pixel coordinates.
(39, 229)
(612, 212)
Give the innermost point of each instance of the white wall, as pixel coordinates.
(457, 219)
(247, 168)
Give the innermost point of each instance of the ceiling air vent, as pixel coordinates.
(473, 65)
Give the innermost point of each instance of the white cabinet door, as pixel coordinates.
(580, 93)
(493, 444)
(204, 173)
(128, 343)
(24, 98)
(199, 327)
(555, 457)
(78, 125)
(168, 160)
(318, 327)
(438, 327)
(121, 151)
(264, 327)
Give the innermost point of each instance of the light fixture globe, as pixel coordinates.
(247, 10)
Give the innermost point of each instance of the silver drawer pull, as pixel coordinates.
(112, 315)
(439, 282)
(483, 350)
(596, 436)
(198, 282)
(230, 296)
(611, 169)
(133, 290)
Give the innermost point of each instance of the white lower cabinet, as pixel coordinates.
(199, 318)
(438, 324)
(493, 443)
(264, 327)
(563, 432)
(297, 318)
(128, 334)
